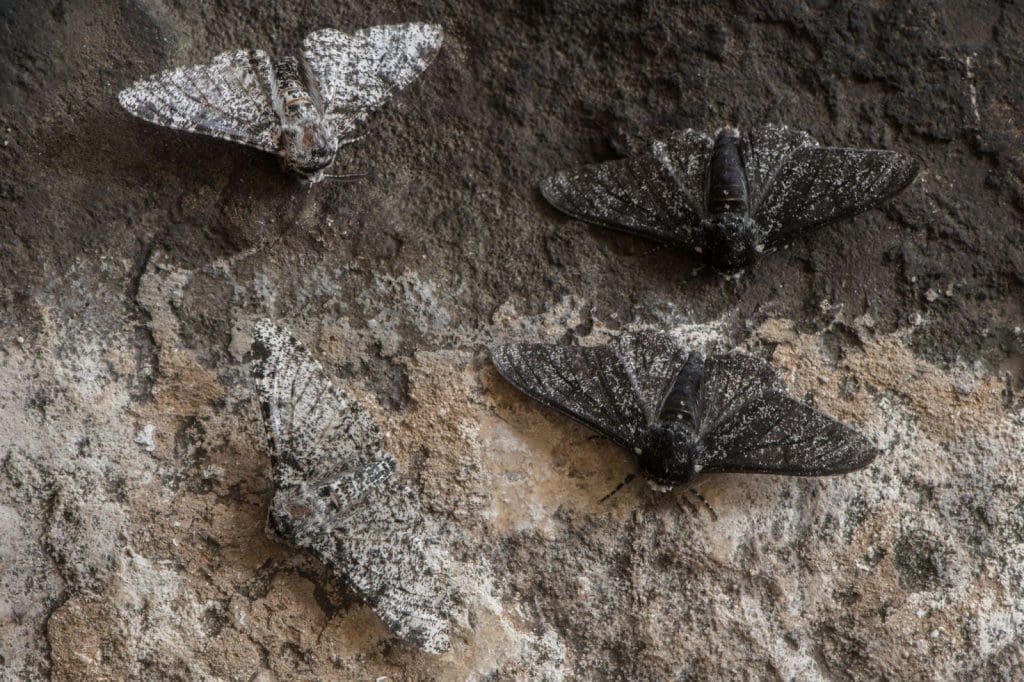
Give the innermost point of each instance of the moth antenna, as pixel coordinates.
(626, 481)
(652, 251)
(703, 500)
(345, 177)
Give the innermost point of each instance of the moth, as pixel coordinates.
(682, 414)
(733, 197)
(338, 496)
(300, 108)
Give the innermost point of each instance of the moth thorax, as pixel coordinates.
(731, 240)
(294, 514)
(308, 147)
(671, 454)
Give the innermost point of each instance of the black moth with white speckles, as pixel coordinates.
(733, 197)
(681, 413)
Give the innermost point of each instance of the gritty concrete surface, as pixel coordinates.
(135, 260)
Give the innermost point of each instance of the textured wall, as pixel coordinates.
(134, 261)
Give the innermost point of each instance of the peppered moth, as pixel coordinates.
(681, 413)
(301, 108)
(733, 197)
(338, 496)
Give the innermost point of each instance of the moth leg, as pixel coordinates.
(346, 177)
(626, 481)
(704, 501)
(681, 500)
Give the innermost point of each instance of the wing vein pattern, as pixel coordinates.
(381, 543)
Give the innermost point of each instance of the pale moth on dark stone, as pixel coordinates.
(337, 494)
(733, 197)
(301, 109)
(682, 414)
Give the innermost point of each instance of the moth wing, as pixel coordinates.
(230, 98)
(748, 423)
(765, 151)
(315, 429)
(653, 360)
(357, 72)
(615, 389)
(817, 185)
(385, 549)
(658, 195)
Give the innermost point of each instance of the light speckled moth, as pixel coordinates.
(301, 109)
(338, 496)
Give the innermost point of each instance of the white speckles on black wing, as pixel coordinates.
(765, 151)
(375, 536)
(748, 423)
(818, 185)
(230, 98)
(615, 389)
(659, 195)
(357, 72)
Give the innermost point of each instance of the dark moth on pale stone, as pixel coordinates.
(733, 197)
(682, 414)
(337, 494)
(300, 108)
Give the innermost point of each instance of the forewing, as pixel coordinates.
(653, 361)
(315, 429)
(590, 384)
(765, 151)
(817, 185)
(384, 548)
(230, 98)
(357, 72)
(748, 423)
(659, 195)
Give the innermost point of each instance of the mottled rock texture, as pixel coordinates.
(135, 260)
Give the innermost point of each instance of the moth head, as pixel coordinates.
(307, 149)
(671, 455)
(731, 240)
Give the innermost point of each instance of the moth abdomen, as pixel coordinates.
(681, 402)
(727, 183)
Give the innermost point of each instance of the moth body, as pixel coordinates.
(308, 143)
(672, 453)
(730, 235)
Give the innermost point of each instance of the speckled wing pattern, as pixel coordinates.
(796, 185)
(616, 389)
(230, 98)
(338, 497)
(357, 72)
(747, 422)
(659, 195)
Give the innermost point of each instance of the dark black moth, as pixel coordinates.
(683, 414)
(733, 197)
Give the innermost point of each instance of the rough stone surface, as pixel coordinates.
(134, 261)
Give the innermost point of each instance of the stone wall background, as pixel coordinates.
(134, 261)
